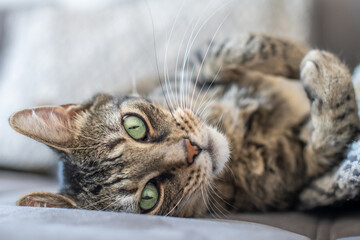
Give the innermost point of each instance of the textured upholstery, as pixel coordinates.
(38, 223)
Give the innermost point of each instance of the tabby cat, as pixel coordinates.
(236, 131)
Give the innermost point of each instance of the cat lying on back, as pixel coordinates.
(236, 132)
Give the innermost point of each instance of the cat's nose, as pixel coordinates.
(192, 151)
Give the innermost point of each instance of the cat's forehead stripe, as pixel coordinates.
(125, 99)
(129, 97)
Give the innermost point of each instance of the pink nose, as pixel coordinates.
(192, 151)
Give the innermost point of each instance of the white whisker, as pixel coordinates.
(191, 42)
(221, 199)
(213, 206)
(166, 69)
(206, 202)
(156, 57)
(207, 103)
(206, 53)
(175, 206)
(205, 94)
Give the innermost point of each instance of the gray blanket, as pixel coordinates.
(46, 223)
(340, 185)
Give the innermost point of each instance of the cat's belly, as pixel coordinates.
(296, 99)
(266, 167)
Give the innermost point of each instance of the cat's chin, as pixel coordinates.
(218, 149)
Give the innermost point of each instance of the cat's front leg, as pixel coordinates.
(334, 117)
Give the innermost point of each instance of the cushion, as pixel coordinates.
(41, 223)
(80, 224)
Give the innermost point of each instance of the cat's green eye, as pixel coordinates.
(135, 127)
(149, 197)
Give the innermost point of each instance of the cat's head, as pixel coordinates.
(127, 154)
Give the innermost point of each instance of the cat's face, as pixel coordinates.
(128, 154)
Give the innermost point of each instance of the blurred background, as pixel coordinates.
(65, 51)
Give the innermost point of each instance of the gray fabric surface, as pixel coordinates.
(324, 225)
(341, 184)
(47, 223)
(327, 224)
(350, 238)
(41, 223)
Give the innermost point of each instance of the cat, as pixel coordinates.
(247, 124)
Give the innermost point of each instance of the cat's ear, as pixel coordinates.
(54, 126)
(46, 199)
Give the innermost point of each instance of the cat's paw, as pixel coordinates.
(324, 77)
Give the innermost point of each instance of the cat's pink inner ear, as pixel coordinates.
(53, 126)
(46, 199)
